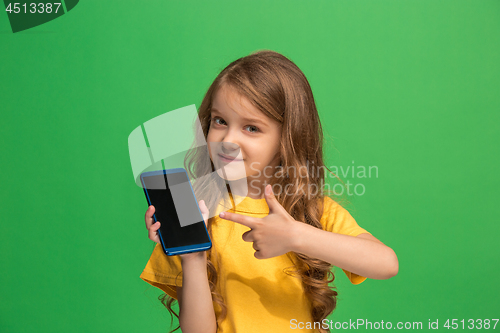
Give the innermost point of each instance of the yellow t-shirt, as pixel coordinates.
(259, 295)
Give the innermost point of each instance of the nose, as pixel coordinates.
(229, 143)
(229, 148)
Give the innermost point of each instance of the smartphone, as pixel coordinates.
(176, 207)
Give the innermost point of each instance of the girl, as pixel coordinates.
(270, 264)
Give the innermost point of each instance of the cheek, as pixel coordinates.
(208, 140)
(252, 150)
(213, 136)
(257, 154)
(209, 135)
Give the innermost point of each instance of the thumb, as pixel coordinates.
(271, 200)
(204, 211)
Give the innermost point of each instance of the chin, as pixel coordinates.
(232, 174)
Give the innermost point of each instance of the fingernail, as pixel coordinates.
(222, 215)
(268, 189)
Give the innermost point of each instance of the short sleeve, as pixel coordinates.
(337, 219)
(163, 272)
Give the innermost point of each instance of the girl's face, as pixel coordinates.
(251, 140)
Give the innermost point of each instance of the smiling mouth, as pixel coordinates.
(226, 158)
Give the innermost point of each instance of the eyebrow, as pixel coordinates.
(246, 119)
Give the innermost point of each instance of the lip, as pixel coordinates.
(227, 158)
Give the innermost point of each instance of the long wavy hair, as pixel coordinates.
(280, 90)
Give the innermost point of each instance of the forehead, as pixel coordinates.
(227, 100)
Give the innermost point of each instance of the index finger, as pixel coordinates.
(149, 216)
(248, 221)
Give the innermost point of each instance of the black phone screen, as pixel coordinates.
(157, 189)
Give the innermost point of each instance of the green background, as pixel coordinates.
(411, 87)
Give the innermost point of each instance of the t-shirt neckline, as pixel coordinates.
(249, 205)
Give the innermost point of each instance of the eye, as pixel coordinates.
(253, 129)
(214, 119)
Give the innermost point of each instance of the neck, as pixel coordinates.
(246, 188)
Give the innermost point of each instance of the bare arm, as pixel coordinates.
(364, 255)
(196, 311)
(278, 233)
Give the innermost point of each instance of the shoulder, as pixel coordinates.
(327, 201)
(331, 207)
(337, 219)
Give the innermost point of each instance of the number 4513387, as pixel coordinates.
(33, 8)
(471, 324)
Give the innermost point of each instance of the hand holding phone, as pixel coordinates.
(153, 227)
(175, 236)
